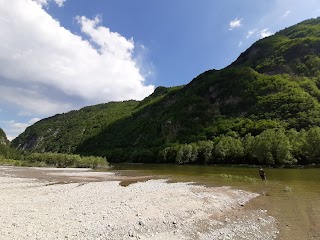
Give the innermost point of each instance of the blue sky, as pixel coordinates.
(60, 55)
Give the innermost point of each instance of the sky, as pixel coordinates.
(62, 55)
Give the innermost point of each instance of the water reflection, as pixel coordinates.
(290, 195)
(305, 180)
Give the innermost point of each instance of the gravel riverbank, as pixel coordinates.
(153, 209)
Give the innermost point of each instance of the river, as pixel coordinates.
(292, 196)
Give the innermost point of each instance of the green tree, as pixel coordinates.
(298, 143)
(248, 146)
(205, 151)
(187, 153)
(312, 145)
(272, 146)
(229, 149)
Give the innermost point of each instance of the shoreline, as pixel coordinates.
(99, 207)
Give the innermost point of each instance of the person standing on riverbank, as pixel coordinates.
(262, 174)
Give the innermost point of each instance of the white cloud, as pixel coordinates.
(236, 23)
(60, 2)
(46, 2)
(286, 14)
(32, 102)
(265, 33)
(46, 69)
(240, 44)
(13, 128)
(33, 120)
(251, 32)
(41, 2)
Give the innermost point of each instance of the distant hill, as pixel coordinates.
(3, 138)
(294, 50)
(274, 84)
(6, 151)
(64, 132)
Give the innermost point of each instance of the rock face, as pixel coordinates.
(32, 142)
(3, 138)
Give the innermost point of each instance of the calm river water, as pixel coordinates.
(292, 196)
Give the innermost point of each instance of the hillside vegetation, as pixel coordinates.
(5, 150)
(3, 138)
(14, 157)
(262, 109)
(64, 132)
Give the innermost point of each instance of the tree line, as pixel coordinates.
(10, 156)
(271, 147)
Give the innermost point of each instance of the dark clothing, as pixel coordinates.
(262, 174)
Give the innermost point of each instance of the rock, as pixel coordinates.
(106, 219)
(131, 234)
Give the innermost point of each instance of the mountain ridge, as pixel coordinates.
(273, 84)
(3, 138)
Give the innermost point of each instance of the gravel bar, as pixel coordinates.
(154, 209)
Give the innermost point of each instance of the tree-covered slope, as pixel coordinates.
(274, 84)
(64, 132)
(3, 138)
(231, 101)
(6, 151)
(294, 50)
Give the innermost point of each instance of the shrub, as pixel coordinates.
(66, 160)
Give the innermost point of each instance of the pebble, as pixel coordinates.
(105, 210)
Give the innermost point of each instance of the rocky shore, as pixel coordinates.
(152, 209)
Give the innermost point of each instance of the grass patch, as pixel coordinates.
(287, 189)
(11, 162)
(237, 178)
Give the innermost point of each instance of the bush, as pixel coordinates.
(66, 160)
(273, 147)
(229, 149)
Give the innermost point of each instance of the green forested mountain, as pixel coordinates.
(5, 150)
(294, 50)
(3, 138)
(64, 132)
(233, 115)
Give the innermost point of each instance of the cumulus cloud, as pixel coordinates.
(251, 32)
(14, 128)
(236, 23)
(41, 2)
(47, 69)
(286, 14)
(33, 120)
(265, 33)
(32, 101)
(60, 2)
(46, 2)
